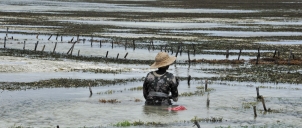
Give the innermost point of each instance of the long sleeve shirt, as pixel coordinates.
(164, 83)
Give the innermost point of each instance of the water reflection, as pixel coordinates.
(159, 110)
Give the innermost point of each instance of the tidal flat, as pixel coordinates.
(53, 52)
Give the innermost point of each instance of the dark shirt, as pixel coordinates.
(164, 83)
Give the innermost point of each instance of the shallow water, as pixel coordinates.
(68, 107)
(72, 107)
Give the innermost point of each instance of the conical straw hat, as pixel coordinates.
(163, 59)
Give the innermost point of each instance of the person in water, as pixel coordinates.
(158, 84)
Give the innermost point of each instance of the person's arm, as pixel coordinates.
(145, 88)
(174, 89)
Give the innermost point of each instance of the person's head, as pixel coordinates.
(163, 60)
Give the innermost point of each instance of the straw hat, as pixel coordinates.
(162, 59)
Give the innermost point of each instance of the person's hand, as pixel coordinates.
(175, 99)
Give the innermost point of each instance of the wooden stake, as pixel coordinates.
(117, 56)
(91, 41)
(208, 100)
(4, 42)
(6, 31)
(90, 90)
(126, 55)
(289, 57)
(106, 54)
(36, 45)
(189, 60)
(57, 36)
(257, 90)
(206, 85)
(227, 54)
(239, 54)
(54, 49)
(193, 45)
(189, 79)
(112, 44)
(255, 112)
(178, 48)
(275, 54)
(78, 36)
(49, 37)
(37, 35)
(165, 48)
(263, 103)
(71, 48)
(43, 48)
(133, 45)
(24, 45)
(126, 45)
(71, 40)
(61, 38)
(79, 53)
(100, 43)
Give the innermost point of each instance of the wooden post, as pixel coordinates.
(57, 36)
(165, 48)
(24, 45)
(289, 57)
(117, 56)
(133, 45)
(71, 48)
(49, 37)
(106, 54)
(58, 126)
(152, 45)
(257, 90)
(126, 55)
(54, 49)
(255, 112)
(258, 56)
(90, 90)
(37, 35)
(189, 60)
(78, 36)
(4, 42)
(6, 31)
(161, 48)
(100, 43)
(71, 40)
(239, 54)
(36, 45)
(61, 38)
(43, 48)
(275, 54)
(206, 85)
(193, 45)
(91, 40)
(178, 48)
(227, 54)
(79, 53)
(208, 100)
(112, 44)
(263, 103)
(189, 79)
(126, 45)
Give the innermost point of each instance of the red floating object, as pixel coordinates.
(177, 108)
